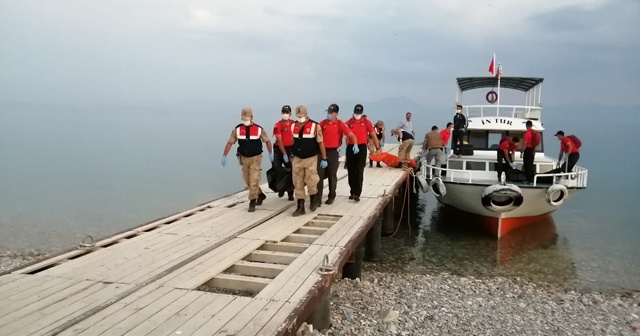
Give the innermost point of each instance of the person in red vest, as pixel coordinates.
(506, 154)
(284, 142)
(531, 141)
(357, 150)
(570, 150)
(333, 129)
(249, 137)
(445, 134)
(307, 145)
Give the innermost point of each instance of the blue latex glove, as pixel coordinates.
(381, 144)
(356, 150)
(512, 165)
(446, 150)
(223, 160)
(285, 158)
(324, 164)
(271, 157)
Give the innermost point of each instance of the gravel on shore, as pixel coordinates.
(10, 259)
(444, 304)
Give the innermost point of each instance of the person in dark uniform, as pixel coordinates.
(357, 151)
(459, 124)
(333, 129)
(284, 141)
(250, 137)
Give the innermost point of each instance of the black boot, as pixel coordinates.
(370, 163)
(261, 198)
(280, 194)
(252, 205)
(314, 201)
(290, 193)
(300, 210)
(378, 165)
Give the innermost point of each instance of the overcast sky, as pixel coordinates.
(278, 52)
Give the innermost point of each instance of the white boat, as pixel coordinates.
(470, 183)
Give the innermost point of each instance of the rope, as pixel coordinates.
(406, 198)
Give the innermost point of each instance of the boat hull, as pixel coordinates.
(468, 198)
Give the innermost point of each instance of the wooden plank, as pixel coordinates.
(21, 283)
(219, 303)
(311, 230)
(137, 316)
(147, 325)
(39, 305)
(300, 238)
(238, 282)
(284, 247)
(211, 264)
(256, 269)
(235, 324)
(273, 257)
(105, 319)
(321, 223)
(262, 318)
(214, 325)
(56, 314)
(170, 325)
(33, 294)
(273, 326)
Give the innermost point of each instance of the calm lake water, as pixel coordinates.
(66, 173)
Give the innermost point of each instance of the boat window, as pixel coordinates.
(478, 139)
(455, 164)
(494, 139)
(474, 165)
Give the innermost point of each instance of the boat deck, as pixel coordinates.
(214, 269)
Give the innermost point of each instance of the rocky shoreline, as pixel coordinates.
(10, 259)
(444, 304)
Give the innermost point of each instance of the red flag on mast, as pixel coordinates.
(492, 66)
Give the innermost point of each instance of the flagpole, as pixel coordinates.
(498, 72)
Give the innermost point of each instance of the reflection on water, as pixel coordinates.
(443, 240)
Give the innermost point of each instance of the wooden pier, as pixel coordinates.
(215, 269)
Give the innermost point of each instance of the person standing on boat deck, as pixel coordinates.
(406, 144)
(506, 154)
(570, 150)
(250, 137)
(405, 124)
(433, 146)
(459, 124)
(446, 135)
(284, 141)
(333, 130)
(357, 151)
(307, 144)
(378, 129)
(531, 141)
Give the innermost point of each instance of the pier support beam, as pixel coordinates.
(353, 268)
(320, 317)
(373, 241)
(388, 222)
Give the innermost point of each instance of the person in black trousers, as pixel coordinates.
(459, 124)
(531, 141)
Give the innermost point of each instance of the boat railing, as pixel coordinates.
(576, 178)
(433, 170)
(513, 111)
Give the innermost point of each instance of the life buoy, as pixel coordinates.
(437, 187)
(502, 197)
(492, 97)
(556, 194)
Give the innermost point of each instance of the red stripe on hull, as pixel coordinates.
(501, 226)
